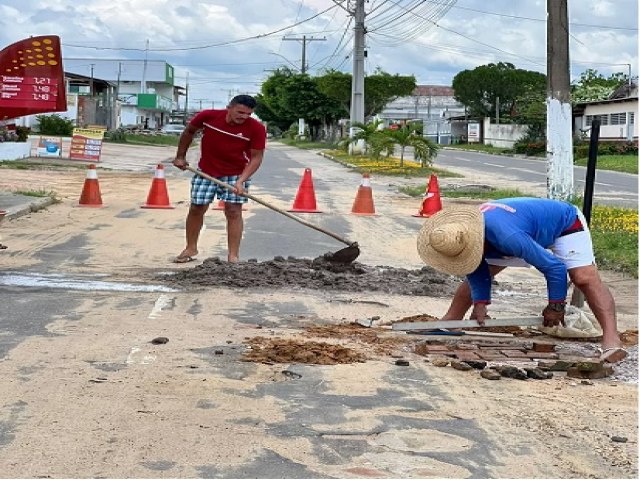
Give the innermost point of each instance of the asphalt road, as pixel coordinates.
(611, 188)
(81, 303)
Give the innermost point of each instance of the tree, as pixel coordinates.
(593, 86)
(287, 96)
(379, 89)
(424, 149)
(501, 84)
(371, 136)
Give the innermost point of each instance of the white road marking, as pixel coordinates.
(162, 301)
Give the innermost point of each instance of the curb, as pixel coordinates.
(27, 208)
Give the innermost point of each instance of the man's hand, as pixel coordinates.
(180, 163)
(238, 188)
(553, 315)
(479, 313)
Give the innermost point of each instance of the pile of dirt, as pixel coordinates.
(381, 341)
(277, 350)
(317, 274)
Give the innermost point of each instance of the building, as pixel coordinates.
(617, 115)
(145, 89)
(431, 104)
(115, 93)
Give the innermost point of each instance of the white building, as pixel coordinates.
(432, 104)
(145, 89)
(617, 115)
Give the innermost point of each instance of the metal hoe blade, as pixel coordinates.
(344, 255)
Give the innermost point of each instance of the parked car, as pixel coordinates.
(172, 129)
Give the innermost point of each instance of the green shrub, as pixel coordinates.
(530, 148)
(54, 125)
(23, 133)
(581, 150)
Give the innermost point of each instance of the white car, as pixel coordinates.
(172, 129)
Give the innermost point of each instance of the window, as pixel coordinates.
(632, 118)
(618, 119)
(604, 119)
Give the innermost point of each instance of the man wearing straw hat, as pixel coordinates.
(550, 235)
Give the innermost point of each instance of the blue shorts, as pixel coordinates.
(204, 191)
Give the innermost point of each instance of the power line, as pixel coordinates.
(231, 42)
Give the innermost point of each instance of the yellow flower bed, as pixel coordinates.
(614, 220)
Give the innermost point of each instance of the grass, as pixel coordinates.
(386, 165)
(616, 163)
(481, 148)
(305, 145)
(36, 164)
(485, 194)
(149, 140)
(41, 193)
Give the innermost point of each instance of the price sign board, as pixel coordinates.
(32, 77)
(86, 144)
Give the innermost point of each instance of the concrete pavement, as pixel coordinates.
(113, 157)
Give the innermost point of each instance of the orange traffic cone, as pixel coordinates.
(431, 203)
(363, 204)
(158, 196)
(90, 196)
(305, 201)
(220, 206)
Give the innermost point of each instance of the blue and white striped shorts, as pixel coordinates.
(204, 191)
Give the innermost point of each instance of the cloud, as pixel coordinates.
(226, 47)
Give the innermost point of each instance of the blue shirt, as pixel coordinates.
(524, 228)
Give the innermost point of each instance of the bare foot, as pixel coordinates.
(231, 259)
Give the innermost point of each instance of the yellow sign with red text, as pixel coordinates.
(86, 144)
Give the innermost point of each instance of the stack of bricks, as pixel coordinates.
(541, 352)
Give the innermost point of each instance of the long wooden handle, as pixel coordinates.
(272, 207)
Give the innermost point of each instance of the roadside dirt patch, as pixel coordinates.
(277, 350)
(379, 340)
(317, 274)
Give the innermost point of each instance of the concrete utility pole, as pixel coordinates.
(357, 83)
(303, 70)
(559, 118)
(305, 40)
(186, 100)
(116, 123)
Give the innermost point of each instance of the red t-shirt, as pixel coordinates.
(226, 149)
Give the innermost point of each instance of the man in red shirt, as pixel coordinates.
(232, 148)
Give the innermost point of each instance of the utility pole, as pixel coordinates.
(115, 101)
(559, 113)
(143, 86)
(91, 81)
(303, 70)
(186, 99)
(305, 40)
(357, 82)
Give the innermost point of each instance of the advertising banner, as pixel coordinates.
(49, 147)
(473, 132)
(86, 144)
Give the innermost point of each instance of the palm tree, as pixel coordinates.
(364, 132)
(424, 149)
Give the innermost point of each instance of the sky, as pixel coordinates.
(227, 47)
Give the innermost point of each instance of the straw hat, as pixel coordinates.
(452, 240)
